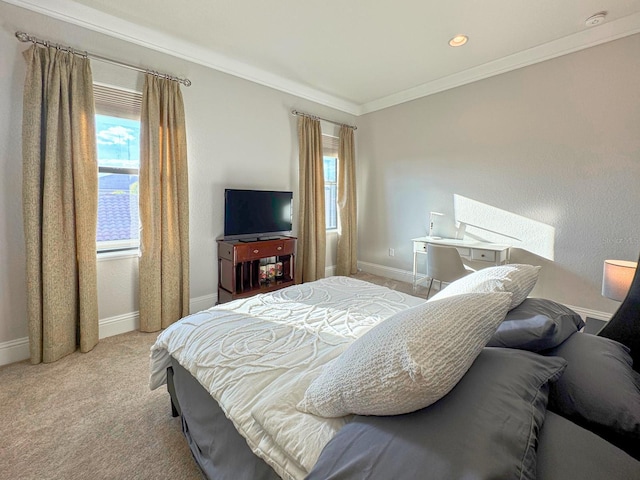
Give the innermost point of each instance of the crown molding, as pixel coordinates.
(101, 22)
(86, 17)
(606, 32)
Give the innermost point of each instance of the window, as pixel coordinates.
(118, 142)
(331, 192)
(330, 157)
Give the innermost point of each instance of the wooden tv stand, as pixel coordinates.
(239, 266)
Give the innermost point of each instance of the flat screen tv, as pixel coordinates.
(256, 214)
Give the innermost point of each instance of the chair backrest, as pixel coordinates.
(444, 263)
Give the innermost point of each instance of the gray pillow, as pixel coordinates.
(486, 428)
(568, 451)
(599, 390)
(536, 324)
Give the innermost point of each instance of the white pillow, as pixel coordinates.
(409, 360)
(516, 278)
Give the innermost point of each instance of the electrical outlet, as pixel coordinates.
(392, 252)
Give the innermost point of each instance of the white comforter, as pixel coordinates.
(257, 357)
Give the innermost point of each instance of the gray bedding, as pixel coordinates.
(217, 447)
(494, 424)
(567, 451)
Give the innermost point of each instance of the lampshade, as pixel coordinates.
(616, 278)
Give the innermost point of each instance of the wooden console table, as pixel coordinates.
(239, 267)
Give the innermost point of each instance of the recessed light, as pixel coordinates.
(458, 40)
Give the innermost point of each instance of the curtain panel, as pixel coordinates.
(164, 206)
(60, 203)
(311, 247)
(347, 249)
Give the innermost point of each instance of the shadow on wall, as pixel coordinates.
(490, 224)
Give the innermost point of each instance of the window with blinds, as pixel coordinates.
(118, 142)
(330, 157)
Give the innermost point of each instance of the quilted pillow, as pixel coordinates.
(516, 278)
(409, 360)
(599, 390)
(536, 324)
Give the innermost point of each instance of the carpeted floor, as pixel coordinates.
(92, 415)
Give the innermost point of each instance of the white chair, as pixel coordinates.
(444, 265)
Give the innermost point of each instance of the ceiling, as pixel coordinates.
(357, 55)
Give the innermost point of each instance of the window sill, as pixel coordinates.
(118, 254)
(332, 232)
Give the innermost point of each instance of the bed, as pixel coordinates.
(342, 379)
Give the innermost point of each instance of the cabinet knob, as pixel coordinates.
(279, 248)
(256, 251)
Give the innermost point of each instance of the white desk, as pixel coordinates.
(494, 253)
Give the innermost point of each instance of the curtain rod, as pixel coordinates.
(315, 117)
(25, 37)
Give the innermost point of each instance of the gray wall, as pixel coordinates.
(240, 134)
(546, 158)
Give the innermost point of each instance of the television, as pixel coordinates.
(257, 214)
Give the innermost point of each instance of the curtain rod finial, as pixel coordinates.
(23, 37)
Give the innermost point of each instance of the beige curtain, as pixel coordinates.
(164, 206)
(60, 203)
(311, 247)
(347, 214)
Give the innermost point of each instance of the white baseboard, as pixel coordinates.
(18, 350)
(586, 312)
(14, 351)
(202, 303)
(330, 271)
(407, 276)
(389, 272)
(118, 324)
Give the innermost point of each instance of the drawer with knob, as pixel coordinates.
(484, 255)
(258, 250)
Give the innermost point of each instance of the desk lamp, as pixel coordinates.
(621, 282)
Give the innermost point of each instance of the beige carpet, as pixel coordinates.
(403, 287)
(92, 416)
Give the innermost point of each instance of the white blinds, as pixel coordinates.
(330, 146)
(116, 102)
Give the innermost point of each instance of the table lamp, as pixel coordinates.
(616, 278)
(621, 281)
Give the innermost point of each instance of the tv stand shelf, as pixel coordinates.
(239, 266)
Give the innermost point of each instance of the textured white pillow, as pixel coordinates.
(408, 361)
(516, 278)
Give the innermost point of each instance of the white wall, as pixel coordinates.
(240, 134)
(547, 156)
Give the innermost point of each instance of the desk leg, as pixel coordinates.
(415, 271)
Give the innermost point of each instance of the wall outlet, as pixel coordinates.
(392, 252)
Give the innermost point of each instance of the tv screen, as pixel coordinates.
(256, 213)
